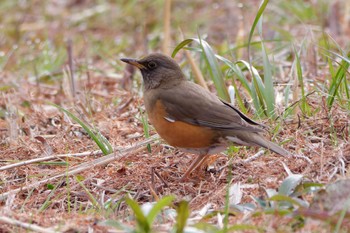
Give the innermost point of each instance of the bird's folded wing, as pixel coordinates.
(197, 106)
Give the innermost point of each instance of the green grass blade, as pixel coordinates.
(258, 98)
(93, 200)
(98, 138)
(342, 214)
(284, 198)
(183, 212)
(346, 59)
(256, 20)
(256, 89)
(165, 201)
(243, 80)
(68, 189)
(347, 91)
(336, 82)
(214, 70)
(182, 46)
(48, 200)
(145, 126)
(289, 184)
(211, 62)
(299, 71)
(235, 68)
(227, 201)
(244, 228)
(141, 219)
(304, 105)
(268, 91)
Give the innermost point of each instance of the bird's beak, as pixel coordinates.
(133, 62)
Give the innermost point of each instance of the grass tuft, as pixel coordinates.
(98, 138)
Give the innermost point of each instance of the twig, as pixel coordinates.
(197, 72)
(25, 225)
(128, 76)
(254, 157)
(87, 165)
(259, 154)
(166, 20)
(153, 193)
(302, 157)
(51, 157)
(292, 104)
(124, 105)
(161, 178)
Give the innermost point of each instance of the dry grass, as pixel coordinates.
(132, 174)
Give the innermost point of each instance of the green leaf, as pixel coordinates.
(257, 89)
(80, 178)
(214, 70)
(337, 80)
(211, 62)
(158, 206)
(141, 219)
(257, 86)
(181, 45)
(50, 186)
(244, 227)
(98, 138)
(304, 105)
(93, 200)
(145, 128)
(235, 68)
(183, 213)
(52, 195)
(289, 184)
(206, 227)
(117, 225)
(284, 198)
(268, 91)
(256, 20)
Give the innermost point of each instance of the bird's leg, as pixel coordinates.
(196, 163)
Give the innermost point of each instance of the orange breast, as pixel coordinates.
(178, 133)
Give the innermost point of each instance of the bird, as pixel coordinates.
(191, 118)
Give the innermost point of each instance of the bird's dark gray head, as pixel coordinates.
(157, 70)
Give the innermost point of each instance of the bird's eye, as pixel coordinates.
(152, 65)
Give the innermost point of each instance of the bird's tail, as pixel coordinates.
(272, 146)
(259, 140)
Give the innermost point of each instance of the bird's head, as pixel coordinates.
(157, 70)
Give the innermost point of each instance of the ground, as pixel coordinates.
(108, 97)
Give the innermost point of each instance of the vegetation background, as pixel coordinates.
(66, 99)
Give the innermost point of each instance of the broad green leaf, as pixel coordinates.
(289, 184)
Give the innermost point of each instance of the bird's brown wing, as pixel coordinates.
(192, 104)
